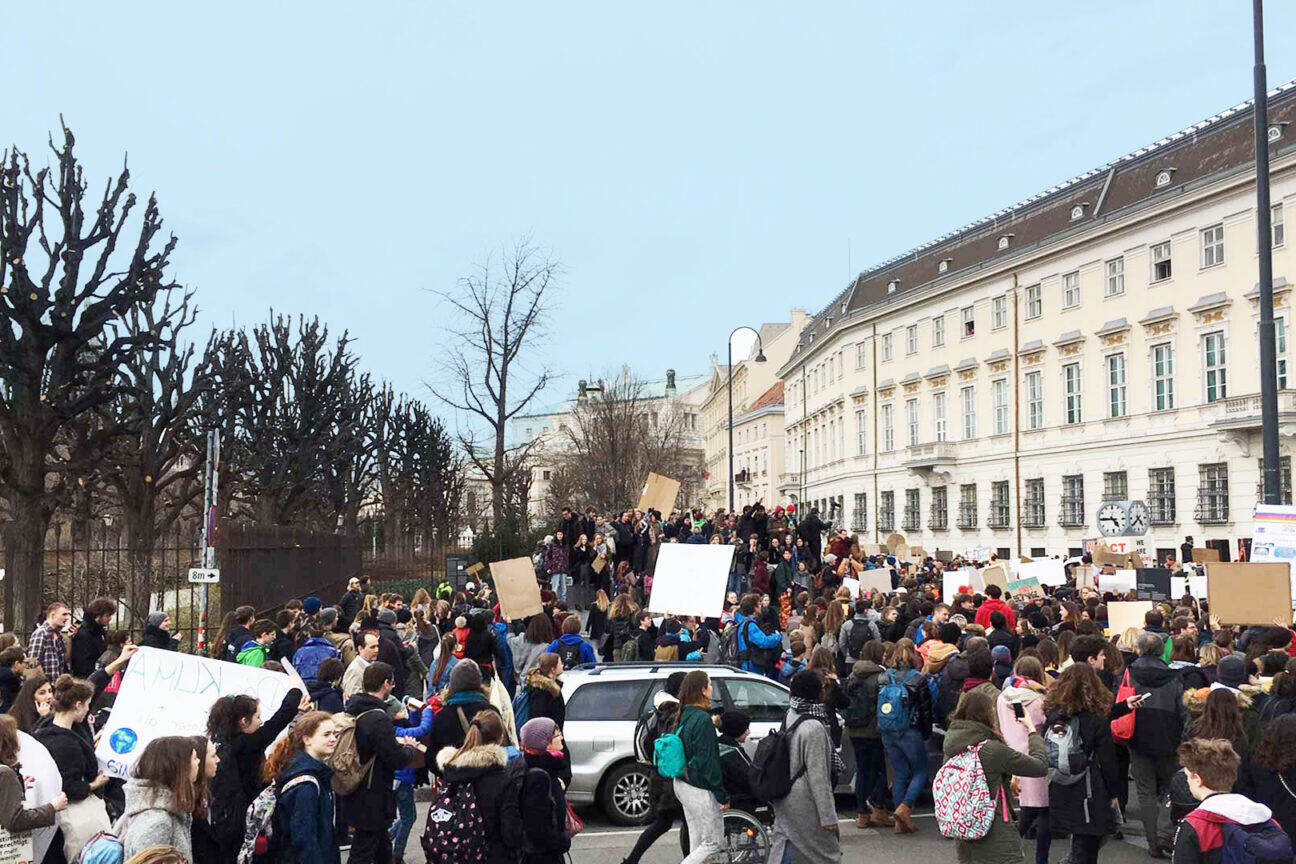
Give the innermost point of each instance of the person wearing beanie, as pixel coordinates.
(662, 804)
(735, 766)
(542, 801)
(340, 639)
(1038, 621)
(157, 633)
(465, 700)
(1003, 664)
(806, 820)
(312, 605)
(1232, 673)
(390, 650)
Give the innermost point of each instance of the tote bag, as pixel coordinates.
(80, 821)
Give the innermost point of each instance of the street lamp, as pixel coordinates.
(760, 358)
(1268, 353)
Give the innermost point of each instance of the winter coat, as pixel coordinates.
(417, 727)
(800, 816)
(14, 813)
(156, 637)
(1000, 761)
(1030, 694)
(348, 608)
(1085, 807)
(760, 580)
(546, 697)
(557, 559)
(391, 653)
(253, 653)
(702, 752)
(992, 605)
(949, 686)
(1159, 726)
(314, 651)
(325, 696)
(10, 684)
(448, 730)
(344, 645)
(754, 636)
(525, 654)
(784, 576)
(1194, 702)
(587, 654)
(736, 768)
(373, 805)
(847, 628)
(1200, 839)
(920, 699)
(861, 690)
(496, 784)
(87, 644)
(544, 810)
(151, 820)
(1261, 784)
(74, 755)
(234, 642)
(303, 817)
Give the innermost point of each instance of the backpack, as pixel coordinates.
(964, 807)
(861, 712)
(645, 735)
(894, 703)
(629, 651)
(103, 848)
(729, 653)
(455, 830)
(764, 658)
(1263, 843)
(569, 654)
(771, 773)
(859, 637)
(522, 706)
(1068, 763)
(668, 756)
(348, 771)
(791, 666)
(227, 812)
(258, 836)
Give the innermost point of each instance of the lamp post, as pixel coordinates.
(760, 358)
(1264, 245)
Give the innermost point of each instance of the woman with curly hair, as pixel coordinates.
(1079, 704)
(1270, 775)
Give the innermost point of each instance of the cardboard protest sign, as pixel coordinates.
(877, 579)
(995, 574)
(599, 562)
(1194, 585)
(1152, 583)
(41, 781)
(1028, 588)
(918, 552)
(945, 556)
(851, 585)
(1249, 593)
(870, 549)
(1085, 576)
(516, 587)
(1123, 615)
(691, 579)
(1117, 581)
(893, 542)
(901, 551)
(1102, 555)
(1204, 555)
(659, 494)
(168, 693)
(474, 569)
(1049, 571)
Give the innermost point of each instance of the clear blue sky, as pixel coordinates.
(694, 165)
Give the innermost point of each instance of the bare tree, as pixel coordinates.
(62, 290)
(502, 307)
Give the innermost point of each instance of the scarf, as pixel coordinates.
(817, 711)
(466, 697)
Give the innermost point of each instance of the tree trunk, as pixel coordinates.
(141, 538)
(24, 544)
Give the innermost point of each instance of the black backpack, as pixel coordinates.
(771, 772)
(569, 654)
(860, 633)
(765, 658)
(228, 809)
(861, 712)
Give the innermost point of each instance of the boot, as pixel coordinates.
(862, 820)
(879, 818)
(903, 823)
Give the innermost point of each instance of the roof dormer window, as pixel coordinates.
(1276, 131)
(1078, 211)
(1005, 241)
(944, 265)
(892, 286)
(1164, 176)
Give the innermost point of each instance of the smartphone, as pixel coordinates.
(1019, 710)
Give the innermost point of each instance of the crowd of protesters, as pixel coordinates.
(439, 690)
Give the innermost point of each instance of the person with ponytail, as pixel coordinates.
(303, 816)
(483, 762)
(161, 797)
(69, 741)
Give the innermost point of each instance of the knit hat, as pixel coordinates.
(328, 617)
(155, 619)
(674, 682)
(1232, 671)
(949, 633)
(466, 675)
(403, 616)
(387, 616)
(311, 605)
(1039, 620)
(536, 734)
(807, 685)
(734, 723)
(1001, 654)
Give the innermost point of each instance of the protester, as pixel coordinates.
(543, 803)
(313, 651)
(483, 763)
(1026, 688)
(463, 699)
(735, 765)
(1269, 777)
(13, 665)
(371, 808)
(15, 816)
(69, 742)
(256, 650)
(90, 640)
(663, 807)
(366, 654)
(33, 703)
(544, 690)
(1157, 735)
(1211, 766)
(161, 796)
(298, 768)
(157, 633)
(46, 647)
(700, 791)
(528, 645)
(805, 821)
(905, 721)
(861, 691)
(570, 647)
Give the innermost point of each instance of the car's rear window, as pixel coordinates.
(607, 700)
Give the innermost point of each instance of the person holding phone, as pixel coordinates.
(1023, 697)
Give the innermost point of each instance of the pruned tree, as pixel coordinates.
(219, 406)
(351, 462)
(424, 487)
(502, 309)
(63, 290)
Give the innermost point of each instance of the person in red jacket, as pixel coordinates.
(1222, 818)
(994, 604)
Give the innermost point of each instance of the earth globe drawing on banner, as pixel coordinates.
(123, 740)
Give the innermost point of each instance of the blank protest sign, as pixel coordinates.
(690, 579)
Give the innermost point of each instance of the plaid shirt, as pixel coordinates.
(47, 648)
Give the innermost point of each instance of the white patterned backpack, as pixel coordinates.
(964, 808)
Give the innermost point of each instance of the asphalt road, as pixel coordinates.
(604, 843)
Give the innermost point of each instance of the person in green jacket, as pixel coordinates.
(973, 722)
(255, 650)
(701, 791)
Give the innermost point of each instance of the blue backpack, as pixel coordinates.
(894, 707)
(1262, 843)
(669, 757)
(522, 707)
(103, 848)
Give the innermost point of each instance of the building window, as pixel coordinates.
(861, 352)
(544, 475)
(1034, 400)
(1161, 270)
(967, 506)
(1115, 277)
(911, 417)
(940, 508)
(886, 347)
(1212, 246)
(861, 438)
(1000, 509)
(888, 429)
(1215, 362)
(886, 512)
(1276, 226)
(1034, 301)
(999, 396)
(1161, 496)
(1033, 504)
(1115, 486)
(938, 413)
(969, 321)
(1212, 494)
(968, 395)
(1072, 511)
(1163, 376)
(912, 520)
(911, 339)
(938, 331)
(1071, 290)
(859, 519)
(1072, 403)
(1284, 481)
(1280, 349)
(999, 313)
(1116, 385)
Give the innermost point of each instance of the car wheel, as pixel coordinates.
(624, 795)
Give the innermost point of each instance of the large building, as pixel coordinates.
(1097, 341)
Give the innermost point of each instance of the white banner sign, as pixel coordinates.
(168, 693)
(690, 579)
(1049, 571)
(41, 782)
(1120, 582)
(1274, 537)
(1196, 585)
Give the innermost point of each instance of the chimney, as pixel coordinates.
(580, 390)
(670, 383)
